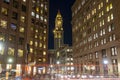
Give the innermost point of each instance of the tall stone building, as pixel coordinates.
(23, 35)
(96, 36)
(58, 31)
(61, 56)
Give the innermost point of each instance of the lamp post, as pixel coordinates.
(105, 67)
(51, 71)
(9, 60)
(58, 62)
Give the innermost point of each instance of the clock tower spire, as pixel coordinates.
(58, 31)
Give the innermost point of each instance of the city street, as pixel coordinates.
(95, 79)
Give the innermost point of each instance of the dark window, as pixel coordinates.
(23, 8)
(13, 26)
(21, 41)
(15, 4)
(12, 39)
(7, 1)
(14, 15)
(33, 20)
(89, 30)
(104, 54)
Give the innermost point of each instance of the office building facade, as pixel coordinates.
(23, 34)
(96, 36)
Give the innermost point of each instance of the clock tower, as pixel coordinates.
(58, 31)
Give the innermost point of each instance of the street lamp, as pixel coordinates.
(58, 62)
(105, 62)
(10, 60)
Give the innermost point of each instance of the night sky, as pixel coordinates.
(65, 9)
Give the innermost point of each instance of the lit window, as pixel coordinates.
(31, 50)
(103, 22)
(102, 13)
(3, 24)
(36, 36)
(37, 16)
(1, 49)
(40, 45)
(21, 29)
(101, 4)
(45, 20)
(11, 51)
(111, 16)
(96, 55)
(41, 5)
(94, 10)
(108, 18)
(44, 46)
(36, 30)
(112, 37)
(99, 15)
(40, 37)
(8, 66)
(90, 56)
(111, 6)
(24, 0)
(36, 44)
(46, 7)
(44, 53)
(111, 28)
(44, 31)
(107, 9)
(31, 42)
(2, 37)
(107, 1)
(113, 51)
(41, 18)
(44, 38)
(20, 52)
(33, 13)
(104, 40)
(13, 26)
(4, 11)
(22, 19)
(41, 11)
(44, 60)
(37, 9)
(115, 65)
(40, 59)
